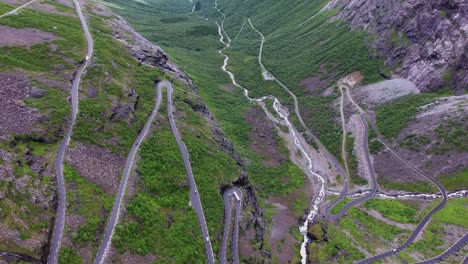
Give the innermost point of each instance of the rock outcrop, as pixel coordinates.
(424, 41)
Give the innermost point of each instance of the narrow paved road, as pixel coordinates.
(194, 195)
(114, 218)
(16, 9)
(465, 260)
(61, 209)
(454, 248)
(230, 198)
(373, 184)
(373, 190)
(426, 218)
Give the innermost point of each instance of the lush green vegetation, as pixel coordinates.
(455, 212)
(52, 104)
(374, 226)
(159, 218)
(339, 206)
(394, 116)
(395, 210)
(198, 56)
(454, 182)
(67, 255)
(374, 144)
(19, 212)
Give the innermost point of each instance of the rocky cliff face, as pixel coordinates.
(422, 40)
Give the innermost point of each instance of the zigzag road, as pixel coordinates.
(426, 218)
(373, 178)
(230, 196)
(61, 210)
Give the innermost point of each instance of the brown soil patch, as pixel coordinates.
(48, 8)
(229, 87)
(354, 78)
(246, 247)
(316, 83)
(15, 116)
(97, 165)
(15, 2)
(263, 137)
(23, 36)
(115, 257)
(389, 167)
(313, 84)
(283, 244)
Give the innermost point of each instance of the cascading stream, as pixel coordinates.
(283, 120)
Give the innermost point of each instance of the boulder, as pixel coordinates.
(37, 93)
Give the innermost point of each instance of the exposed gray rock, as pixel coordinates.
(59, 68)
(422, 40)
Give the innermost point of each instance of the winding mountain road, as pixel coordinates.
(283, 120)
(373, 184)
(61, 209)
(114, 218)
(426, 218)
(373, 190)
(194, 195)
(16, 9)
(229, 198)
(334, 162)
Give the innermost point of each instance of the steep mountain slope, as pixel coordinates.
(293, 145)
(309, 45)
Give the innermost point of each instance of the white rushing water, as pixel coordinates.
(283, 120)
(452, 195)
(193, 5)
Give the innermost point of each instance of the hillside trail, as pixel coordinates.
(17, 9)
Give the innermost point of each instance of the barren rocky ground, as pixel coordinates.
(24, 36)
(97, 165)
(16, 116)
